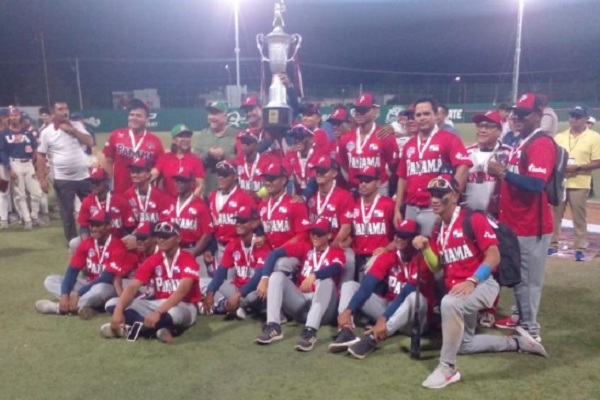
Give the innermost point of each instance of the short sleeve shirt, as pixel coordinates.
(93, 258)
(243, 260)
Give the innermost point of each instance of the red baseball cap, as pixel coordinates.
(340, 115)
(184, 173)
(99, 216)
(250, 102)
(98, 174)
(370, 172)
(407, 229)
(226, 168)
(489, 116)
(143, 230)
(247, 213)
(365, 100)
(275, 169)
(324, 161)
(528, 102)
(140, 162)
(321, 224)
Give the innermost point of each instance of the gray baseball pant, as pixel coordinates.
(227, 290)
(348, 274)
(183, 314)
(422, 216)
(287, 264)
(97, 296)
(314, 308)
(528, 293)
(459, 321)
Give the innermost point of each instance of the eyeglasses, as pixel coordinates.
(335, 123)
(165, 230)
(366, 179)
(318, 232)
(440, 183)
(487, 125)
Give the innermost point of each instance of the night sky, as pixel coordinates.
(428, 36)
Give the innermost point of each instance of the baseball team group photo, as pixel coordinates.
(301, 229)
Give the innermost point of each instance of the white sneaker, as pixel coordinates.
(486, 320)
(442, 376)
(3, 224)
(47, 307)
(528, 344)
(164, 335)
(241, 313)
(108, 333)
(27, 225)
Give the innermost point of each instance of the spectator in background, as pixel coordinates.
(215, 143)
(45, 117)
(549, 122)
(583, 146)
(4, 176)
(443, 119)
(63, 142)
(512, 137)
(89, 150)
(340, 122)
(590, 122)
(45, 120)
(503, 110)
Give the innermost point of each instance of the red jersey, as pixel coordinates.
(420, 162)
(121, 214)
(147, 207)
(244, 260)
(249, 173)
(459, 255)
(356, 153)
(165, 278)
(389, 267)
(123, 146)
(373, 225)
(520, 209)
(168, 165)
(193, 218)
(274, 151)
(283, 219)
(337, 207)
(93, 258)
(301, 167)
(224, 208)
(312, 260)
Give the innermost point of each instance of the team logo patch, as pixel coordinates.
(263, 211)
(192, 211)
(114, 210)
(240, 170)
(152, 204)
(93, 210)
(457, 234)
(91, 253)
(237, 255)
(158, 271)
(233, 203)
(176, 269)
(373, 147)
(350, 146)
(410, 151)
(283, 209)
(356, 213)
(434, 147)
(330, 207)
(378, 213)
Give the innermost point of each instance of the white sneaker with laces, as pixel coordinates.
(442, 376)
(108, 333)
(528, 343)
(47, 307)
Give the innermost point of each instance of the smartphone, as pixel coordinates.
(134, 331)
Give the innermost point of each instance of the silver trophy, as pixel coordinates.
(277, 113)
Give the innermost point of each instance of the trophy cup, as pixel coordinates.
(277, 114)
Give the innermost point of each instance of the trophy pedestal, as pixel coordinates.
(277, 118)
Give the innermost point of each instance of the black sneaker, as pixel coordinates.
(365, 346)
(344, 339)
(307, 340)
(270, 333)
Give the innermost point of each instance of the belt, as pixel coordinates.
(23, 160)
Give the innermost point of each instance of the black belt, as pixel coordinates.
(23, 160)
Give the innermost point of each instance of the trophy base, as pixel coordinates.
(277, 118)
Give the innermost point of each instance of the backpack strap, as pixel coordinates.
(523, 158)
(467, 227)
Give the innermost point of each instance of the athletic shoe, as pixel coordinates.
(537, 338)
(442, 376)
(507, 323)
(270, 333)
(27, 225)
(164, 335)
(87, 312)
(579, 256)
(486, 319)
(552, 251)
(307, 340)
(47, 307)
(345, 338)
(241, 313)
(365, 346)
(3, 224)
(108, 333)
(528, 344)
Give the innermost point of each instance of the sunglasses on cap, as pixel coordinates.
(366, 179)
(318, 232)
(164, 230)
(248, 140)
(362, 110)
(440, 184)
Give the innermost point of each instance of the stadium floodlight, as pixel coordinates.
(457, 79)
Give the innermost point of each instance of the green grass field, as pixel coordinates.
(51, 357)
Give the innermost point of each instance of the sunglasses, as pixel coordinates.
(318, 232)
(247, 140)
(441, 184)
(164, 230)
(271, 178)
(366, 179)
(362, 110)
(521, 114)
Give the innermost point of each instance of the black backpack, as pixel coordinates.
(556, 186)
(508, 272)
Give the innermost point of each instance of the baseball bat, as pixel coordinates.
(415, 330)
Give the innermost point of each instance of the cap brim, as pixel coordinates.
(183, 178)
(216, 109)
(405, 234)
(482, 117)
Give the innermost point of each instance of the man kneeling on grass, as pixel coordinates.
(386, 295)
(467, 266)
(174, 274)
(101, 257)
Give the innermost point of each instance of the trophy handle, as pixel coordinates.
(297, 39)
(260, 40)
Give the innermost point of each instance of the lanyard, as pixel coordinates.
(403, 264)
(248, 251)
(521, 144)
(421, 149)
(571, 148)
(317, 265)
(492, 154)
(107, 207)
(303, 162)
(144, 206)
(179, 209)
(359, 145)
(321, 208)
(103, 254)
(270, 208)
(135, 145)
(443, 238)
(367, 217)
(169, 268)
(250, 173)
(221, 199)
